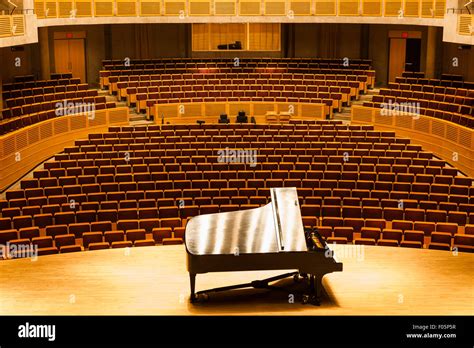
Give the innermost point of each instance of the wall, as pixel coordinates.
(327, 40)
(465, 60)
(148, 40)
(28, 54)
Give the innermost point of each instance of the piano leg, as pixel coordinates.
(315, 286)
(192, 278)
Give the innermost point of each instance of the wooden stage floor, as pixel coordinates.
(154, 281)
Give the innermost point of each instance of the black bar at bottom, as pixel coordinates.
(242, 330)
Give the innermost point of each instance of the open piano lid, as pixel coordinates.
(274, 228)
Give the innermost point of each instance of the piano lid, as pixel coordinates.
(275, 227)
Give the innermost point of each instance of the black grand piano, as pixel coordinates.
(271, 237)
(237, 45)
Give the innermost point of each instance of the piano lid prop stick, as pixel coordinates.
(276, 215)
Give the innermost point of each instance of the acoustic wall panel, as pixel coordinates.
(300, 8)
(325, 7)
(349, 7)
(83, 8)
(393, 8)
(66, 9)
(225, 7)
(175, 7)
(150, 8)
(104, 8)
(249, 8)
(51, 10)
(126, 8)
(275, 8)
(412, 8)
(372, 8)
(199, 7)
(39, 9)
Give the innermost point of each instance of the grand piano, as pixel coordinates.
(271, 237)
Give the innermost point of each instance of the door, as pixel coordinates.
(69, 57)
(413, 55)
(396, 58)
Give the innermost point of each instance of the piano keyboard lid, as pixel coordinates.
(273, 228)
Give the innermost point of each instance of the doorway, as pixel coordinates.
(404, 54)
(69, 57)
(412, 55)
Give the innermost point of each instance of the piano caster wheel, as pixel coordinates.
(311, 299)
(199, 298)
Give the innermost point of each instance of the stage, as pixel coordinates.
(154, 281)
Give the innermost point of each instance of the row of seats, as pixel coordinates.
(404, 87)
(460, 105)
(243, 61)
(31, 92)
(395, 237)
(71, 211)
(94, 236)
(42, 94)
(50, 101)
(463, 120)
(189, 199)
(241, 78)
(332, 74)
(19, 122)
(435, 82)
(7, 87)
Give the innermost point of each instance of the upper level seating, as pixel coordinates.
(435, 82)
(437, 98)
(138, 185)
(324, 81)
(17, 85)
(229, 66)
(29, 102)
(241, 87)
(203, 63)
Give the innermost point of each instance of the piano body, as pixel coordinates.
(237, 45)
(271, 237)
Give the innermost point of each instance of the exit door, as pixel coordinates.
(69, 57)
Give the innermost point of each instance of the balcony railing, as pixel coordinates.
(191, 8)
(12, 25)
(466, 24)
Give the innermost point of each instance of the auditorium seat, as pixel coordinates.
(70, 249)
(144, 242)
(99, 246)
(47, 251)
(63, 240)
(464, 242)
(172, 241)
(160, 233)
(124, 244)
(91, 237)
